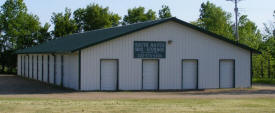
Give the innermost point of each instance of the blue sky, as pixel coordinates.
(259, 11)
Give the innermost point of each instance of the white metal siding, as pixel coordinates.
(26, 66)
(71, 71)
(19, 65)
(30, 66)
(45, 68)
(226, 74)
(51, 69)
(108, 74)
(150, 74)
(23, 65)
(35, 66)
(189, 74)
(58, 70)
(39, 67)
(186, 44)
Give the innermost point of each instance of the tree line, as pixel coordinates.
(94, 16)
(20, 29)
(215, 19)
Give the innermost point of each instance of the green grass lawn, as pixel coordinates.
(25, 105)
(264, 81)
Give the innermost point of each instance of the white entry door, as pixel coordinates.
(226, 73)
(109, 73)
(189, 74)
(150, 75)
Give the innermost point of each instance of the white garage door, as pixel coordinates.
(51, 69)
(45, 68)
(189, 74)
(40, 69)
(58, 70)
(109, 73)
(150, 74)
(35, 74)
(30, 66)
(26, 66)
(226, 74)
(19, 65)
(23, 65)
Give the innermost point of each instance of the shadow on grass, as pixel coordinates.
(11, 84)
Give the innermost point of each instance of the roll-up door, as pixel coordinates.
(58, 70)
(45, 68)
(40, 69)
(109, 74)
(51, 71)
(30, 66)
(19, 64)
(25, 66)
(150, 74)
(227, 73)
(35, 74)
(189, 74)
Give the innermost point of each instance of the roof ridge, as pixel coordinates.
(121, 26)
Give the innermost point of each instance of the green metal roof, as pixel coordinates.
(79, 41)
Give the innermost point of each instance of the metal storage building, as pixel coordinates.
(166, 54)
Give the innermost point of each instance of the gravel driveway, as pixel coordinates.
(13, 86)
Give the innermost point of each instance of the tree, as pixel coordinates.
(95, 17)
(64, 24)
(165, 12)
(214, 19)
(249, 33)
(43, 34)
(138, 14)
(12, 12)
(274, 25)
(265, 62)
(270, 29)
(18, 30)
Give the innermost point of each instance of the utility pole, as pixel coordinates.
(236, 18)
